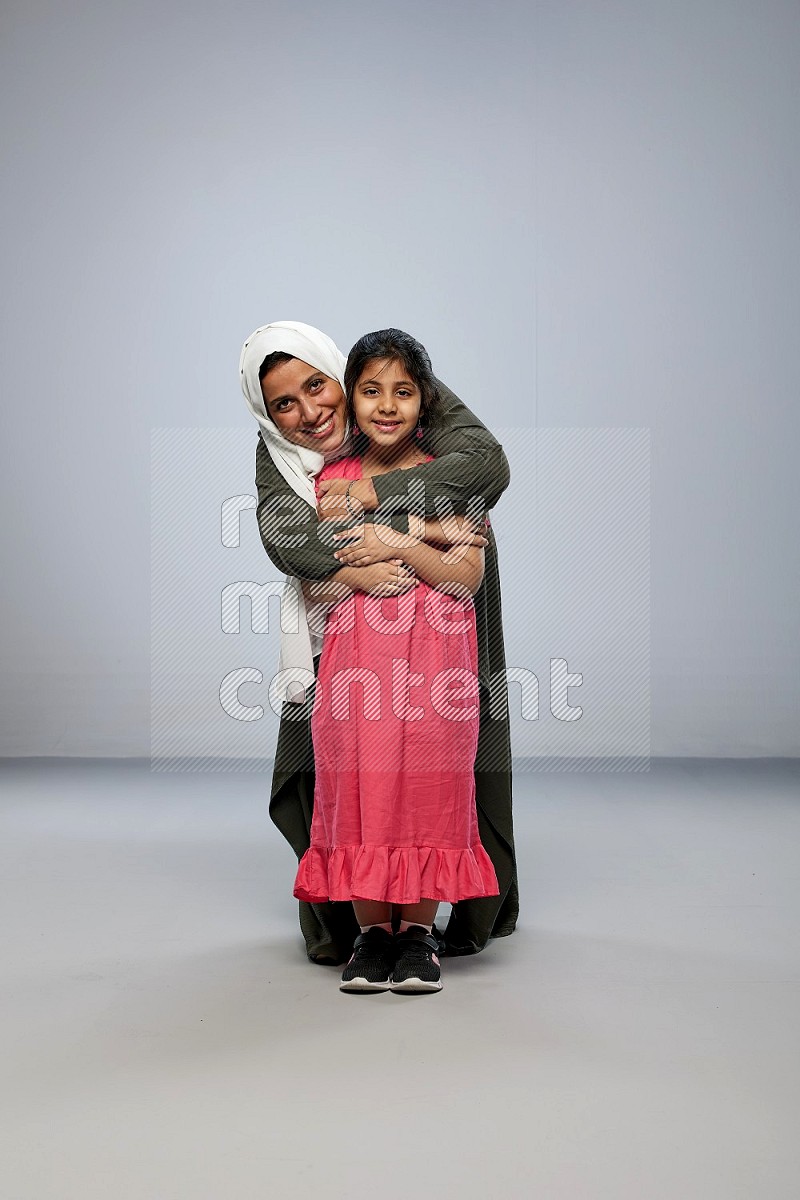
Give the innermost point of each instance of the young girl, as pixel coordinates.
(396, 709)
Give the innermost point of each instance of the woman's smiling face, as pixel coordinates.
(386, 401)
(307, 406)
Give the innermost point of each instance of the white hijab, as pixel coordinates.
(298, 465)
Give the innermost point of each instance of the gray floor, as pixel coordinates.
(165, 1036)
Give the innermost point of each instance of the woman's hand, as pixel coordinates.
(370, 543)
(390, 578)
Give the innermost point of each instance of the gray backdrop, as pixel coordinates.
(587, 212)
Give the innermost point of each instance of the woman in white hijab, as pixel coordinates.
(298, 465)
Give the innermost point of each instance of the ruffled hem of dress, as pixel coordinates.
(394, 874)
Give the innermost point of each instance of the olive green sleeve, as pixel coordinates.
(289, 527)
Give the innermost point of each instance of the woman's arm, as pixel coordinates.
(333, 588)
(469, 463)
(289, 527)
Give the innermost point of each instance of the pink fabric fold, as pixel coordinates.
(394, 874)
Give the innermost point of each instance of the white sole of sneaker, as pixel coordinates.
(416, 985)
(359, 984)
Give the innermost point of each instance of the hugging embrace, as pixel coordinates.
(392, 775)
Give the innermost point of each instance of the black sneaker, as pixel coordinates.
(370, 965)
(416, 967)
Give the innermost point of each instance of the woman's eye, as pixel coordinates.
(315, 383)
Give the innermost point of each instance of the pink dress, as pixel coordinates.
(395, 731)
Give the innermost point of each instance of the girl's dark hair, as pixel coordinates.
(396, 346)
(273, 360)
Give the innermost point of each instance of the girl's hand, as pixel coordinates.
(369, 543)
(390, 578)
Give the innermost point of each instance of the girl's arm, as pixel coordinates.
(379, 578)
(458, 530)
(451, 577)
(364, 544)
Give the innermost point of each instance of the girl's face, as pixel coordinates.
(386, 402)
